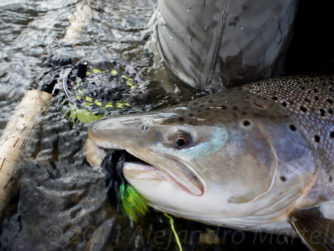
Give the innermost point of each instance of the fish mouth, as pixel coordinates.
(141, 168)
(138, 169)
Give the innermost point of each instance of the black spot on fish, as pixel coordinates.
(235, 108)
(284, 104)
(292, 127)
(315, 90)
(274, 98)
(283, 178)
(223, 107)
(181, 119)
(330, 101)
(307, 100)
(330, 179)
(331, 134)
(246, 123)
(317, 138)
(322, 112)
(330, 111)
(316, 98)
(302, 108)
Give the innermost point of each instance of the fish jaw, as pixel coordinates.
(121, 133)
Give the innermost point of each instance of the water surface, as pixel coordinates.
(61, 201)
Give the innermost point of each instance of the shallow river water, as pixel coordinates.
(61, 202)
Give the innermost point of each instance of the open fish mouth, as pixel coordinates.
(138, 168)
(135, 168)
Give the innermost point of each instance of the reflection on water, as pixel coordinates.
(61, 202)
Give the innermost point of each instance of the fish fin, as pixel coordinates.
(313, 228)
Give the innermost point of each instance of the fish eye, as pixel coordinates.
(181, 140)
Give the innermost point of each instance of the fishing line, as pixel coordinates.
(93, 91)
(171, 222)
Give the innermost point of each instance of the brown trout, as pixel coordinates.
(256, 157)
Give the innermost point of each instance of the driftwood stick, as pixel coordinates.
(13, 141)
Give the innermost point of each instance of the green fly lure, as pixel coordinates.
(133, 204)
(120, 193)
(124, 196)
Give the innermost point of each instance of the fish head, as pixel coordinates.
(203, 166)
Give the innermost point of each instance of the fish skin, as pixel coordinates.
(308, 100)
(284, 126)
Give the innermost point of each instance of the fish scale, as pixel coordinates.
(309, 101)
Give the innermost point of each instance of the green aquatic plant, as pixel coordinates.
(83, 115)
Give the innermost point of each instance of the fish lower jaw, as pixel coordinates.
(144, 171)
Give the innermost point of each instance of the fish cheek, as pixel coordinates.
(253, 180)
(249, 164)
